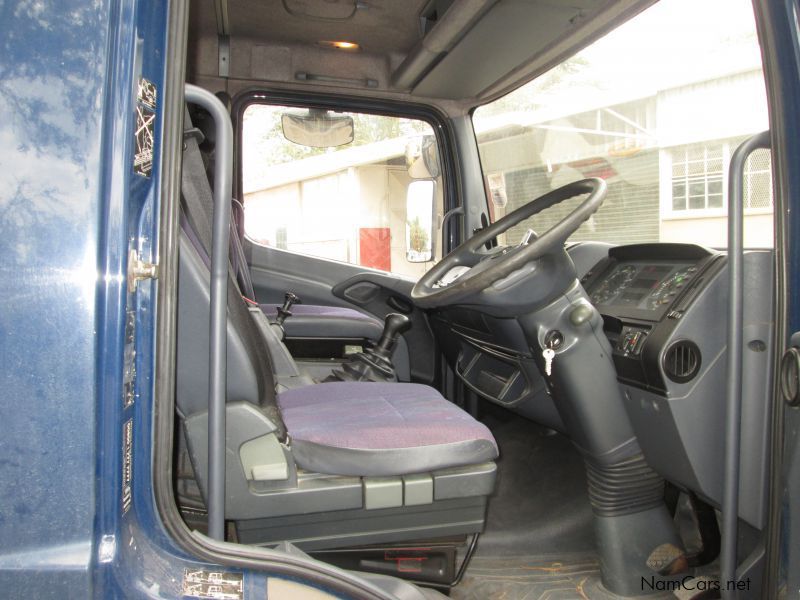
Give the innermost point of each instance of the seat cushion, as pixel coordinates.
(360, 428)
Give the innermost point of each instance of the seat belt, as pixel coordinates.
(198, 208)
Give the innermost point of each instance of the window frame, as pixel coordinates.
(437, 120)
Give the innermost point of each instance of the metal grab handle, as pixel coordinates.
(730, 491)
(218, 319)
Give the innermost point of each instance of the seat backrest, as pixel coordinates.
(250, 376)
(205, 131)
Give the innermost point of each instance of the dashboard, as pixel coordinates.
(645, 286)
(663, 310)
(647, 280)
(643, 291)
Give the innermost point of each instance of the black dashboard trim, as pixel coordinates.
(661, 251)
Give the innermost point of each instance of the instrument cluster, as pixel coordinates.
(642, 285)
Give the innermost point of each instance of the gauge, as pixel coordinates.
(619, 279)
(666, 291)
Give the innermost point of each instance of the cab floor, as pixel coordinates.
(538, 541)
(541, 505)
(528, 577)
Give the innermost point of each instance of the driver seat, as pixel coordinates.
(323, 465)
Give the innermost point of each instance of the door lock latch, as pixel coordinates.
(138, 270)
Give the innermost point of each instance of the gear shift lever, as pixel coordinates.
(289, 300)
(375, 363)
(394, 325)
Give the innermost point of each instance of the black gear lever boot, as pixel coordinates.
(375, 363)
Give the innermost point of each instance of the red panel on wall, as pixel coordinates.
(375, 247)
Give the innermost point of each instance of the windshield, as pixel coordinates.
(655, 108)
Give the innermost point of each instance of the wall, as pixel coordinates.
(323, 216)
(712, 231)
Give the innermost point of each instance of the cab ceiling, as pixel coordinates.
(448, 49)
(381, 27)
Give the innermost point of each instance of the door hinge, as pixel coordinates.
(138, 270)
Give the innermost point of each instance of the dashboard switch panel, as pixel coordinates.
(631, 341)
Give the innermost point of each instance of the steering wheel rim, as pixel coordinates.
(425, 295)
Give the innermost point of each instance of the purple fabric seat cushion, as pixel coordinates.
(359, 428)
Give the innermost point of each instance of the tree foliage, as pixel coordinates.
(418, 236)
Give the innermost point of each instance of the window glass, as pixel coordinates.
(656, 108)
(345, 191)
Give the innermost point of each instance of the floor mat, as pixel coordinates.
(540, 506)
(527, 577)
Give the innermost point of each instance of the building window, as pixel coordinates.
(758, 181)
(698, 176)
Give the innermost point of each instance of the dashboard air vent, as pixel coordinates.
(682, 361)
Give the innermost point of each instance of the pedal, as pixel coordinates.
(668, 559)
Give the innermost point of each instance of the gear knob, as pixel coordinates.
(394, 325)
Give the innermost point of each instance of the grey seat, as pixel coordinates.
(354, 428)
(318, 448)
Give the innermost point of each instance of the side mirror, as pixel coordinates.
(422, 158)
(420, 232)
(318, 128)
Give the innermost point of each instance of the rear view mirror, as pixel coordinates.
(317, 128)
(419, 220)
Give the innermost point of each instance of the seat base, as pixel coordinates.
(344, 528)
(326, 511)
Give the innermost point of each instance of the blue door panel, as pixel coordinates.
(52, 104)
(779, 22)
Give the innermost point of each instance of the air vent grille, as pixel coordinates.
(682, 361)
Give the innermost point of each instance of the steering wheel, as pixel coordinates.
(482, 270)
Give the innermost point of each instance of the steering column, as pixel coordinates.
(635, 534)
(535, 283)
